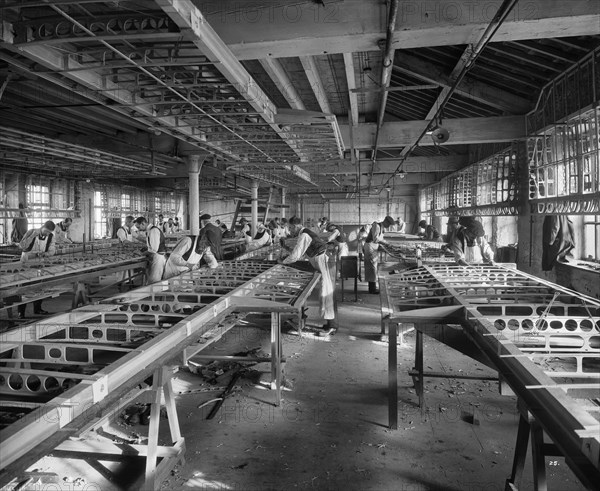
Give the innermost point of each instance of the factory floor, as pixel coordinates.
(331, 430)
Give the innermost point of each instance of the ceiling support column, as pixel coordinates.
(194, 163)
(254, 209)
(283, 198)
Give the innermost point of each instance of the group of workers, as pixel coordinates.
(40, 243)
(168, 226)
(465, 239)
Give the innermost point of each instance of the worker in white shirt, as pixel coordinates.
(322, 225)
(155, 250)
(469, 245)
(337, 237)
(261, 239)
(371, 251)
(169, 226)
(245, 228)
(285, 227)
(37, 243)
(125, 232)
(187, 254)
(310, 245)
(277, 231)
(61, 231)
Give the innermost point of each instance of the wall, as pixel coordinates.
(222, 209)
(346, 212)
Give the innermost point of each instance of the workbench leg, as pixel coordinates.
(356, 289)
(419, 382)
(171, 410)
(392, 374)
(342, 282)
(80, 294)
(276, 356)
(520, 455)
(538, 457)
(157, 383)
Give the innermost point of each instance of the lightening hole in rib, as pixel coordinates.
(33, 383)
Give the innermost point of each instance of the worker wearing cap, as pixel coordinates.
(125, 232)
(371, 251)
(322, 225)
(61, 232)
(187, 254)
(453, 227)
(155, 250)
(338, 237)
(168, 227)
(37, 243)
(213, 235)
(309, 244)
(469, 244)
(429, 232)
(261, 239)
(245, 227)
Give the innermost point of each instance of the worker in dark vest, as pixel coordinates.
(20, 225)
(261, 239)
(37, 244)
(125, 232)
(469, 245)
(213, 235)
(61, 232)
(245, 228)
(429, 232)
(371, 251)
(314, 248)
(155, 250)
(186, 256)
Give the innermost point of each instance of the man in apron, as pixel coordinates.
(61, 232)
(38, 243)
(186, 256)
(371, 251)
(429, 232)
(261, 239)
(155, 250)
(469, 245)
(125, 233)
(339, 238)
(310, 245)
(213, 235)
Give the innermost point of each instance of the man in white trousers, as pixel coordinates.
(315, 249)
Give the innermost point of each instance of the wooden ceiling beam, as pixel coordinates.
(307, 28)
(316, 83)
(470, 87)
(282, 81)
(351, 81)
(464, 131)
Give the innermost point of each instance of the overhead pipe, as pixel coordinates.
(487, 36)
(386, 75)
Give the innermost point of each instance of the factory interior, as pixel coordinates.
(300, 244)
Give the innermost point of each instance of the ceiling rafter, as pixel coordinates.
(312, 73)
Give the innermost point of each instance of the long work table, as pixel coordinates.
(69, 371)
(510, 321)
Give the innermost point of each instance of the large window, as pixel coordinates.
(38, 199)
(591, 237)
(564, 159)
(125, 206)
(100, 221)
